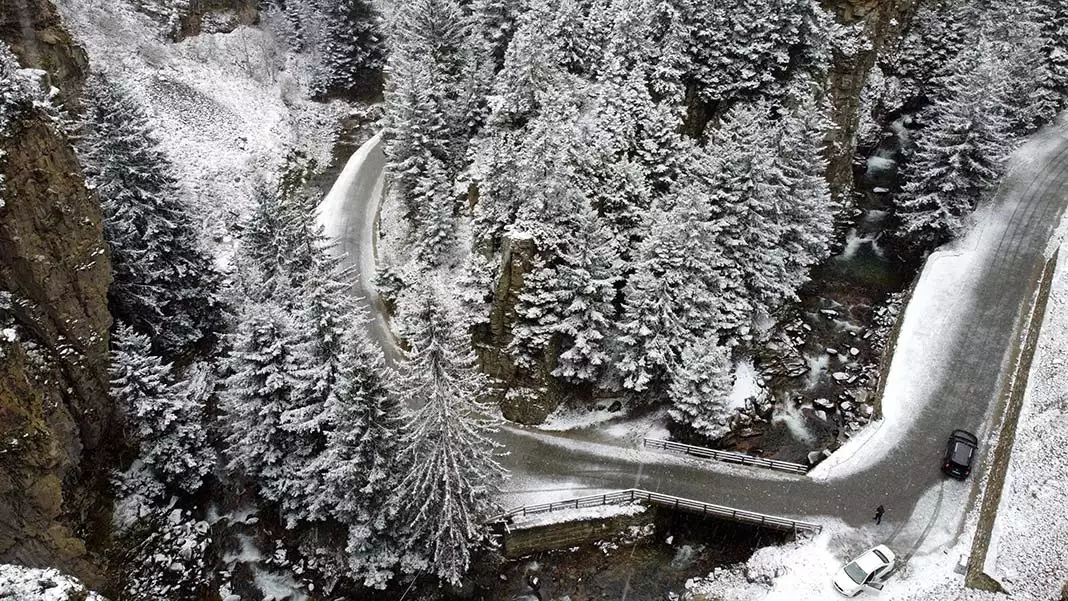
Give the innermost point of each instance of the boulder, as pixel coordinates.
(825, 404)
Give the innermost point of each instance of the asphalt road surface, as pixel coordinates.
(907, 480)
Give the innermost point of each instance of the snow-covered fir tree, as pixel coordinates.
(937, 33)
(700, 385)
(357, 471)
(165, 285)
(740, 47)
(1052, 15)
(682, 287)
(270, 375)
(167, 423)
(1024, 34)
(585, 286)
(430, 100)
(495, 22)
(770, 189)
(446, 491)
(310, 420)
(281, 246)
(960, 154)
(352, 49)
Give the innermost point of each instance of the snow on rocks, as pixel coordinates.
(30, 584)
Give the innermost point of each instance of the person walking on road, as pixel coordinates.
(879, 511)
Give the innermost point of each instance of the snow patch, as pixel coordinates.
(20, 583)
(600, 512)
(747, 384)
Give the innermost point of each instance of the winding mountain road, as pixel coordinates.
(1011, 241)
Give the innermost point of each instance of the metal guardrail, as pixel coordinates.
(677, 503)
(726, 456)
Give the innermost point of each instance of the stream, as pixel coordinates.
(821, 362)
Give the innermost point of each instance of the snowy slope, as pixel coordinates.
(225, 106)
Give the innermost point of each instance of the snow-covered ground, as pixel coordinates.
(19, 583)
(228, 107)
(1029, 552)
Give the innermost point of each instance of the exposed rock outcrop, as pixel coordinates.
(56, 421)
(529, 396)
(37, 37)
(881, 22)
(194, 17)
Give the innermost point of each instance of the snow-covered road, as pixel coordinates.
(348, 215)
(955, 347)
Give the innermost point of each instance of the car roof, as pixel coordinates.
(964, 435)
(872, 559)
(961, 452)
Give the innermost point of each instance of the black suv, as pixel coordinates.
(959, 454)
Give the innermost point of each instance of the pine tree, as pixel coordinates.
(446, 492)
(745, 201)
(1027, 37)
(741, 47)
(495, 22)
(167, 423)
(164, 286)
(588, 274)
(682, 288)
(1054, 22)
(353, 52)
(360, 466)
(270, 376)
(431, 101)
(700, 385)
(282, 245)
(802, 204)
(960, 154)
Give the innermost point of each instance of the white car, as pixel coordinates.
(868, 570)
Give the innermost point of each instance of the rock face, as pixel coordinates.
(528, 397)
(882, 21)
(194, 17)
(56, 421)
(217, 16)
(33, 30)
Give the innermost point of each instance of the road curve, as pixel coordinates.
(1018, 226)
(348, 218)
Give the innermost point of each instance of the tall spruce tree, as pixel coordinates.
(165, 285)
(167, 424)
(353, 50)
(700, 385)
(355, 475)
(741, 47)
(452, 472)
(429, 105)
(682, 288)
(960, 154)
(269, 369)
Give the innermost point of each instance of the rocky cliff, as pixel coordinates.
(881, 22)
(56, 421)
(528, 395)
(36, 35)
